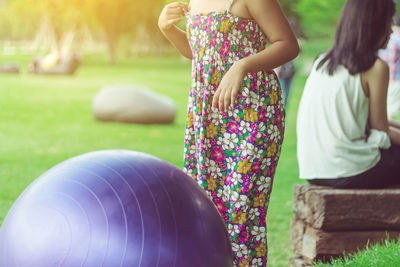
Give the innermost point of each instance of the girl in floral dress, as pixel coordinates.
(235, 119)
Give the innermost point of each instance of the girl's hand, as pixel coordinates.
(171, 15)
(229, 87)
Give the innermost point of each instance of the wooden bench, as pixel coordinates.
(329, 222)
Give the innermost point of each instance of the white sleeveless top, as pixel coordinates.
(331, 123)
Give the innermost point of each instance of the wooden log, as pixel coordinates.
(316, 244)
(347, 209)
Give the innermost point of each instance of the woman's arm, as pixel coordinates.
(283, 43)
(169, 17)
(377, 79)
(394, 124)
(283, 48)
(394, 128)
(394, 134)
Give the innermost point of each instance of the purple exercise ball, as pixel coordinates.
(114, 208)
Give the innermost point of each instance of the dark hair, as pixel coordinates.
(359, 34)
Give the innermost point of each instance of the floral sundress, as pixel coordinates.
(233, 155)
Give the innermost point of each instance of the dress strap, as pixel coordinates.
(229, 6)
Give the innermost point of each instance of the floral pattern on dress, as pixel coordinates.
(233, 155)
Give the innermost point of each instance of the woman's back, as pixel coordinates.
(331, 126)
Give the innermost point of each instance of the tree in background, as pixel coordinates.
(289, 8)
(26, 19)
(319, 17)
(64, 17)
(120, 18)
(19, 19)
(116, 20)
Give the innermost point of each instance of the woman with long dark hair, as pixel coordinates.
(344, 137)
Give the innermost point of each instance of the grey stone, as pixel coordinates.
(10, 68)
(133, 105)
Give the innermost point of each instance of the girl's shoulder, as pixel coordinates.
(380, 69)
(257, 4)
(376, 78)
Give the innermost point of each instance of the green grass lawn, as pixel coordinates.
(46, 120)
(383, 255)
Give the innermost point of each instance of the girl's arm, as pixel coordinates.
(169, 17)
(394, 124)
(283, 43)
(376, 80)
(283, 48)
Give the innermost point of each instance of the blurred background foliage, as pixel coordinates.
(121, 25)
(103, 21)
